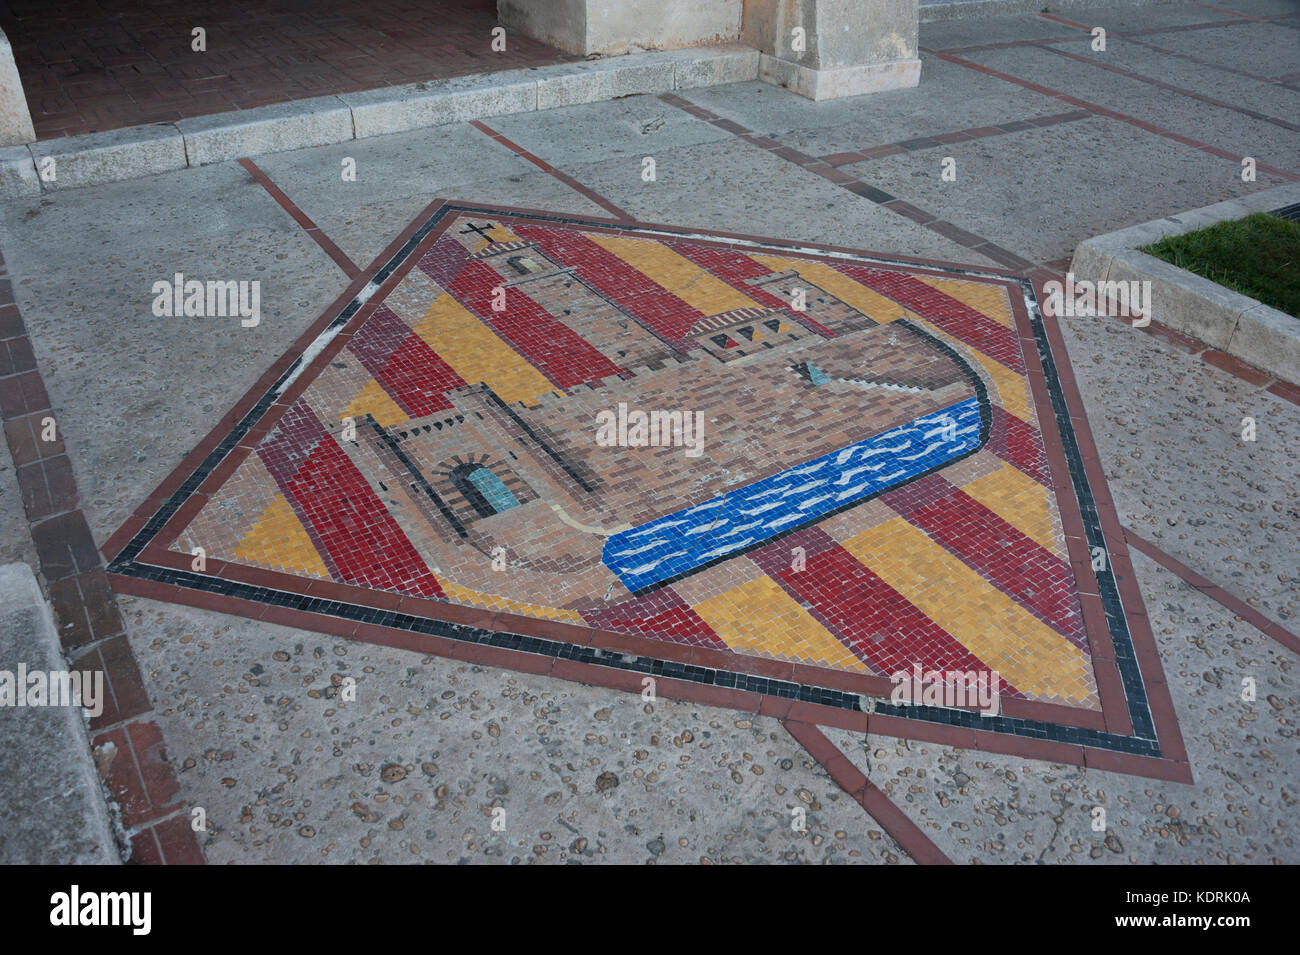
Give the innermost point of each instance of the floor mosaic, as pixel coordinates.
(704, 451)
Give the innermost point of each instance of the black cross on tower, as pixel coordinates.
(480, 230)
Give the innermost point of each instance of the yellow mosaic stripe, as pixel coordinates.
(676, 273)
(1013, 389)
(1020, 501)
(856, 295)
(1004, 635)
(277, 540)
(477, 354)
(989, 300)
(760, 618)
(374, 401)
(475, 598)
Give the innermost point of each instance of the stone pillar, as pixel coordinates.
(825, 49)
(15, 119)
(611, 27)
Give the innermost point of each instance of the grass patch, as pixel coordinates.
(1257, 256)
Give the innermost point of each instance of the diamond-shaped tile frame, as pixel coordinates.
(1135, 732)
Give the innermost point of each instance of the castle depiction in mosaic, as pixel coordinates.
(858, 455)
(529, 484)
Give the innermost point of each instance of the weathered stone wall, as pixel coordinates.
(15, 118)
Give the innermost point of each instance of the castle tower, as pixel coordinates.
(820, 305)
(559, 290)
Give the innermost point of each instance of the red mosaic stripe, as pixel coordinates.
(999, 552)
(640, 296)
(291, 442)
(284, 451)
(378, 337)
(411, 372)
(1017, 443)
(349, 525)
(956, 318)
(876, 622)
(661, 613)
(443, 262)
(550, 346)
(734, 268)
(418, 379)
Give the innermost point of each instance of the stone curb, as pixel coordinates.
(268, 129)
(1233, 323)
(49, 747)
(105, 157)
(77, 161)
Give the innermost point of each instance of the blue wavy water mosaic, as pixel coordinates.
(739, 520)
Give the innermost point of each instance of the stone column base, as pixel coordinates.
(845, 81)
(15, 120)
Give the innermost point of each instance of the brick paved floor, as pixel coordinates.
(88, 66)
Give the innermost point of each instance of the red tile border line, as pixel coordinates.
(1231, 13)
(1132, 38)
(901, 829)
(1200, 61)
(547, 168)
(943, 139)
(135, 767)
(1126, 34)
(1169, 87)
(320, 238)
(831, 173)
(1005, 44)
(1216, 593)
(1171, 765)
(1180, 28)
(1112, 114)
